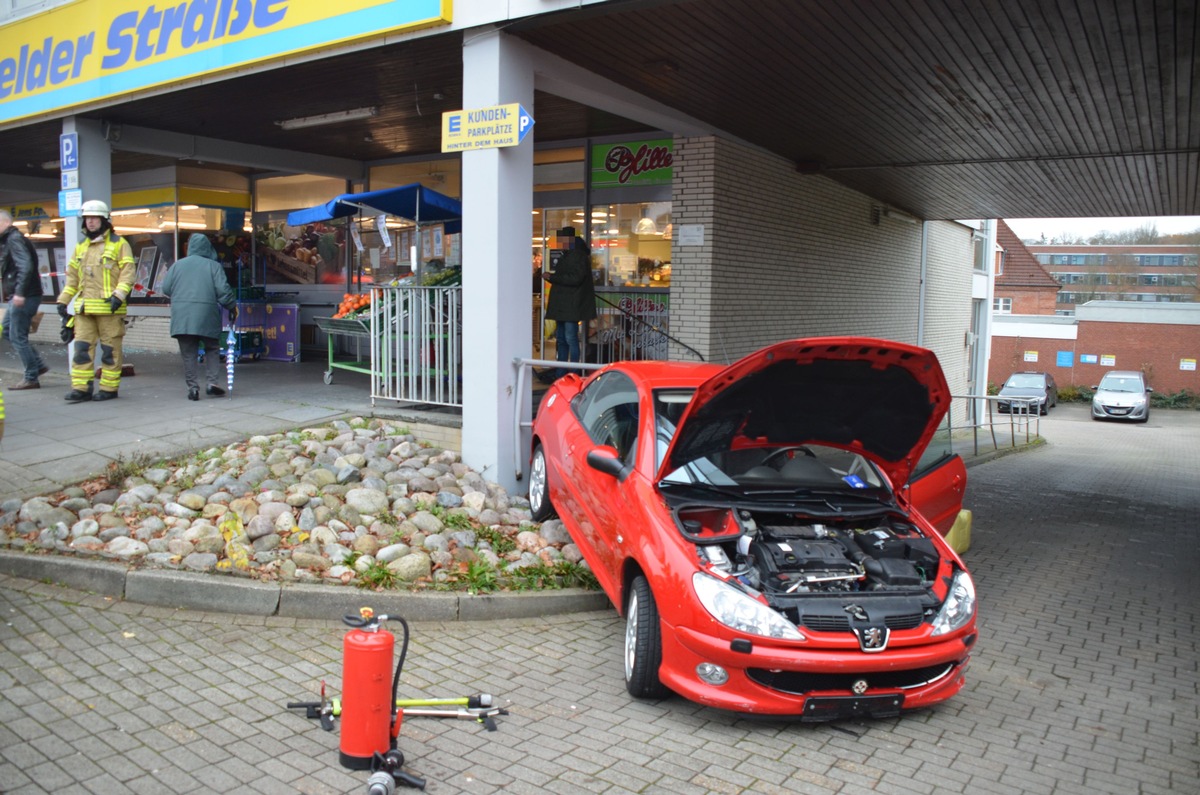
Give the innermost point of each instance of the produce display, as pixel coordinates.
(306, 247)
(353, 305)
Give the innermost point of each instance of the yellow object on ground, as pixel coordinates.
(959, 537)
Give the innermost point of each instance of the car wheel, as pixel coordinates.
(643, 643)
(540, 507)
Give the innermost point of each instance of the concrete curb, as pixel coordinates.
(227, 594)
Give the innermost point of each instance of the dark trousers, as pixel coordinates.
(189, 351)
(16, 330)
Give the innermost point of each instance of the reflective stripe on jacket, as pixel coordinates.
(99, 269)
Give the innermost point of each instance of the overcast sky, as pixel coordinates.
(1027, 228)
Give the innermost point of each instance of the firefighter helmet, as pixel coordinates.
(94, 207)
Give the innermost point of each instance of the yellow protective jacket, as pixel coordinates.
(99, 268)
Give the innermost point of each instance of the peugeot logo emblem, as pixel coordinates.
(859, 687)
(872, 638)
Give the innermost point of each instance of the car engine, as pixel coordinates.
(823, 575)
(787, 554)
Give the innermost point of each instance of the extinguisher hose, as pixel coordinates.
(400, 662)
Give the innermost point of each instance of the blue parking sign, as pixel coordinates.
(68, 151)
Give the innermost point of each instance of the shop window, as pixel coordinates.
(632, 243)
(159, 235)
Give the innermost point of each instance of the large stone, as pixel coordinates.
(308, 560)
(412, 567)
(368, 501)
(426, 522)
(125, 547)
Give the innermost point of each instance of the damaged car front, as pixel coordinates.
(819, 590)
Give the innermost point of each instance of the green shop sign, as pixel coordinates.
(632, 163)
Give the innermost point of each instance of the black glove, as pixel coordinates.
(233, 315)
(115, 302)
(62, 311)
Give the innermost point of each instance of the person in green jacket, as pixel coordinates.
(572, 299)
(198, 289)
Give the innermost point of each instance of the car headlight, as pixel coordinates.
(738, 610)
(959, 607)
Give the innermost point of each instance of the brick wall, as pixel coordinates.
(788, 255)
(1155, 348)
(1030, 301)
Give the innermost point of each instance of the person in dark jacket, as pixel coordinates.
(198, 289)
(572, 300)
(23, 286)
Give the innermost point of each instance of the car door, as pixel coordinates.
(936, 491)
(608, 414)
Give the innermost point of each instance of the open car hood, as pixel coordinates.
(881, 399)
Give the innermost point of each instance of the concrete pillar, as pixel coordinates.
(497, 199)
(95, 171)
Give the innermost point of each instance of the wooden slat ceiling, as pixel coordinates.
(944, 108)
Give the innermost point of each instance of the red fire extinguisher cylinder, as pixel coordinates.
(367, 701)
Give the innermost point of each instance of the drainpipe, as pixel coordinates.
(921, 285)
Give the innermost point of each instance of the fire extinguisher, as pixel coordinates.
(370, 718)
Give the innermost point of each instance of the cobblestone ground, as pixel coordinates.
(1084, 680)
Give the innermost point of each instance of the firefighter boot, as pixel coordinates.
(79, 395)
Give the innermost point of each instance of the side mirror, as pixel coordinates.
(1095, 387)
(1148, 389)
(604, 459)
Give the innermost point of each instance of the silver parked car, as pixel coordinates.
(1122, 395)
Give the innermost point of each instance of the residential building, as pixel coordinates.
(1143, 273)
(1023, 286)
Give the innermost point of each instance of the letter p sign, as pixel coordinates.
(68, 151)
(524, 123)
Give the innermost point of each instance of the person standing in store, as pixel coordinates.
(23, 286)
(99, 279)
(198, 289)
(572, 298)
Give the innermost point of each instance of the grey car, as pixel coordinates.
(1028, 385)
(1122, 395)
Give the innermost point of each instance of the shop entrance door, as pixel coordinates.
(547, 221)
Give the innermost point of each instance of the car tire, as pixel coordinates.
(643, 643)
(540, 507)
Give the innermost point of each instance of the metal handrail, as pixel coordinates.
(520, 425)
(980, 414)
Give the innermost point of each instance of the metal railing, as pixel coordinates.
(522, 427)
(977, 421)
(416, 344)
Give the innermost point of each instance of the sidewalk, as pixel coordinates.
(49, 443)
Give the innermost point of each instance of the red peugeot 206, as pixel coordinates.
(756, 525)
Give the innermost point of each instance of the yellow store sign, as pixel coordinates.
(97, 49)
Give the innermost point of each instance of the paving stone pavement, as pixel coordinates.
(1084, 680)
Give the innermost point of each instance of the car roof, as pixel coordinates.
(666, 375)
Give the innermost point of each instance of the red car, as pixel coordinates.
(756, 527)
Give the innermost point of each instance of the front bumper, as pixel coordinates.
(1020, 407)
(1112, 412)
(814, 684)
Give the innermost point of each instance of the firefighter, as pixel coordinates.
(99, 279)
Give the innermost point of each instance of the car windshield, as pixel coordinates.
(755, 468)
(1121, 383)
(1026, 381)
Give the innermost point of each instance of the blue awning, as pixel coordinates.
(414, 202)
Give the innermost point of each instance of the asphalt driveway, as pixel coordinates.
(1087, 559)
